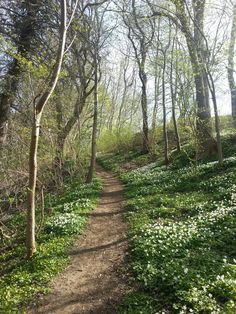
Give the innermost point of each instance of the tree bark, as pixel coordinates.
(95, 122)
(173, 98)
(194, 43)
(165, 134)
(143, 77)
(30, 232)
(65, 131)
(204, 127)
(30, 235)
(197, 58)
(231, 79)
(140, 50)
(156, 91)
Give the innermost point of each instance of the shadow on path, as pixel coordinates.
(96, 279)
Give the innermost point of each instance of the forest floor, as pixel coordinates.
(96, 279)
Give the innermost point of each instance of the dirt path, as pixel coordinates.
(95, 280)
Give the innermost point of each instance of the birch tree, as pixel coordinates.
(38, 111)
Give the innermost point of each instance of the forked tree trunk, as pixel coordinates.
(141, 56)
(38, 110)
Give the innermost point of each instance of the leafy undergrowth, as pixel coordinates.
(21, 280)
(183, 232)
(120, 163)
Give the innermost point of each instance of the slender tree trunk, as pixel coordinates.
(156, 83)
(125, 89)
(173, 99)
(65, 131)
(145, 113)
(95, 122)
(165, 134)
(30, 232)
(102, 111)
(217, 127)
(114, 102)
(133, 103)
(231, 79)
(156, 91)
(30, 237)
(217, 119)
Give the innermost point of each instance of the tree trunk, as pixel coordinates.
(141, 56)
(173, 98)
(145, 149)
(197, 58)
(211, 83)
(217, 127)
(156, 91)
(231, 79)
(204, 127)
(30, 235)
(165, 134)
(65, 131)
(94, 133)
(38, 110)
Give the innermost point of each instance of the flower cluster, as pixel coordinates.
(65, 224)
(183, 235)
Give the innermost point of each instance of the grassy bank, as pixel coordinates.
(66, 218)
(183, 232)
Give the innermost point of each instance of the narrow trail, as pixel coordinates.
(95, 281)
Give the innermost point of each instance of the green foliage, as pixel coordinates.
(182, 229)
(67, 224)
(21, 279)
(184, 158)
(121, 140)
(137, 303)
(111, 161)
(119, 163)
(229, 144)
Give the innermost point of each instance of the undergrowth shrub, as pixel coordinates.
(121, 141)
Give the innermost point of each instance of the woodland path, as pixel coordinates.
(96, 279)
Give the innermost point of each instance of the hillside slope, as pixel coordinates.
(183, 231)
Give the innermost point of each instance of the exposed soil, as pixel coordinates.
(96, 279)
